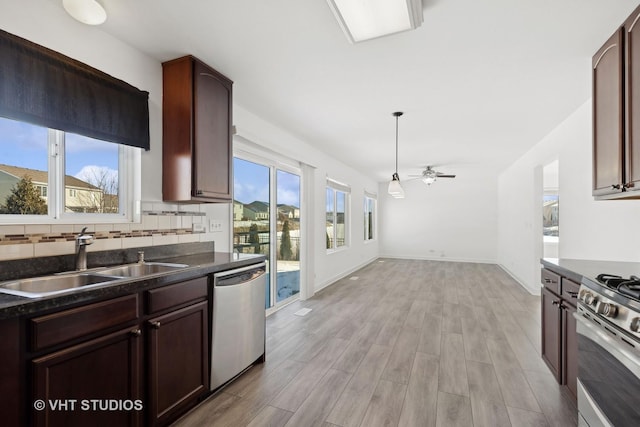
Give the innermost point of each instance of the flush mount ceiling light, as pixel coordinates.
(367, 19)
(395, 189)
(88, 12)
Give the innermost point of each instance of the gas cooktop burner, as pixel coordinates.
(629, 287)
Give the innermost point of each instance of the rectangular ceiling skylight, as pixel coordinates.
(368, 19)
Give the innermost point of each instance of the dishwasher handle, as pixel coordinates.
(239, 275)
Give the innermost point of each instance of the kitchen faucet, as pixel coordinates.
(82, 241)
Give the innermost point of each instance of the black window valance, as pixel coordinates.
(46, 88)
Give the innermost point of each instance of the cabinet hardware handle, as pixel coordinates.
(573, 294)
(548, 281)
(616, 186)
(155, 325)
(628, 185)
(136, 332)
(555, 302)
(199, 192)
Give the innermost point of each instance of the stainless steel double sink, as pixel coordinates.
(54, 284)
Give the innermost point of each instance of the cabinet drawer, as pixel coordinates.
(550, 280)
(570, 290)
(66, 325)
(175, 295)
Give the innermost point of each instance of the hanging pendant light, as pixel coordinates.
(395, 189)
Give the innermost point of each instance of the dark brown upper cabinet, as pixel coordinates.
(616, 114)
(196, 132)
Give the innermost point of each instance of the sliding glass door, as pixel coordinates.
(266, 220)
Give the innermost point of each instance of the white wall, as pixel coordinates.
(589, 229)
(453, 219)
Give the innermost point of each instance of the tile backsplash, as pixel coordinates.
(155, 228)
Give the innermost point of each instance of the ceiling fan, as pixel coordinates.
(429, 175)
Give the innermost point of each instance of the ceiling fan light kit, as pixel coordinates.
(364, 20)
(395, 188)
(429, 175)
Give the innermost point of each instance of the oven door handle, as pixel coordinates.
(623, 352)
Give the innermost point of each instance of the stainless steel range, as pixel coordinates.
(608, 327)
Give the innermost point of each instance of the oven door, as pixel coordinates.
(608, 374)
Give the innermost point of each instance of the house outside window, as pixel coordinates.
(369, 216)
(337, 214)
(49, 175)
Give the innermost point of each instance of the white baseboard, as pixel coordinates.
(443, 259)
(520, 282)
(342, 275)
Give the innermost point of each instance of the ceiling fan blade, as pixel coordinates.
(445, 176)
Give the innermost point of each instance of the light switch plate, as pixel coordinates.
(197, 228)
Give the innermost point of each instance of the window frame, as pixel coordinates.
(374, 217)
(129, 188)
(338, 187)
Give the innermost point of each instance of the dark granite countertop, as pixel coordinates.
(200, 264)
(576, 269)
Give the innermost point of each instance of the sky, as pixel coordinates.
(251, 183)
(25, 145)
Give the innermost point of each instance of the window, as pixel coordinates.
(337, 214)
(50, 174)
(369, 216)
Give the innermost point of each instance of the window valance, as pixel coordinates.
(46, 88)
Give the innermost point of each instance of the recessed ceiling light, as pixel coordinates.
(367, 19)
(88, 12)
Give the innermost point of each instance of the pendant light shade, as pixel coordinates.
(395, 188)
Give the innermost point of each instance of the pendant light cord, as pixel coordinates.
(397, 144)
(397, 114)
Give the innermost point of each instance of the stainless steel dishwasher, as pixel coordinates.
(237, 321)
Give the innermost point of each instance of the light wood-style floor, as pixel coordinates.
(401, 343)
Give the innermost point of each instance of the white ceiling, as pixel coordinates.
(480, 81)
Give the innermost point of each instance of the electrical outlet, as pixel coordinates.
(197, 228)
(215, 226)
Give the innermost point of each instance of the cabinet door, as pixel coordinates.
(551, 331)
(632, 105)
(105, 369)
(212, 128)
(570, 350)
(608, 132)
(178, 362)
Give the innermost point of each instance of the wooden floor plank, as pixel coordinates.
(453, 411)
(421, 400)
(270, 416)
(386, 405)
(452, 377)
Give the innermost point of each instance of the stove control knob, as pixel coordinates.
(590, 299)
(608, 310)
(635, 324)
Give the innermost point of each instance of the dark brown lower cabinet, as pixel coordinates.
(551, 337)
(94, 383)
(137, 360)
(178, 361)
(570, 349)
(559, 336)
